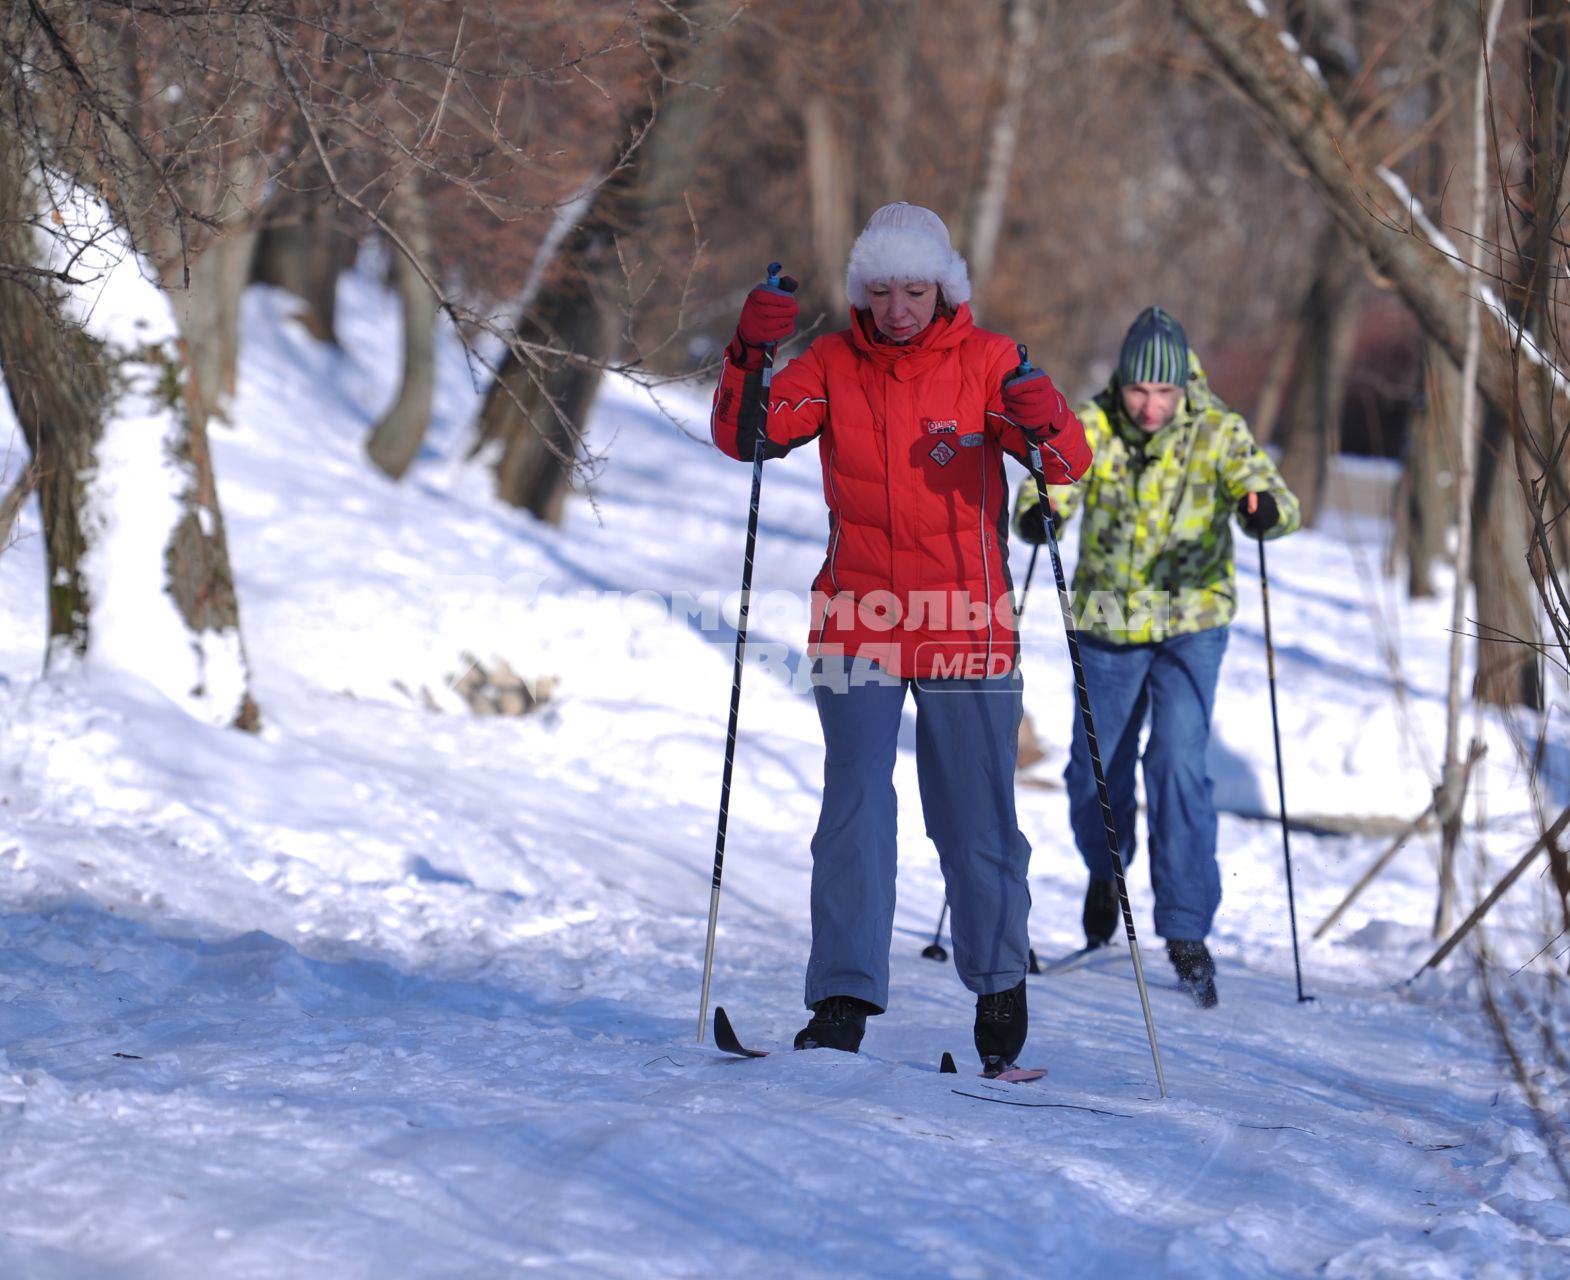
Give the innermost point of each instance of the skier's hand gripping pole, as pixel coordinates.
(760, 410)
(1026, 371)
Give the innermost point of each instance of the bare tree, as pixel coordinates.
(1511, 351)
(1022, 24)
(68, 123)
(1409, 250)
(395, 440)
(1451, 793)
(580, 321)
(1309, 430)
(1444, 181)
(180, 122)
(832, 179)
(304, 246)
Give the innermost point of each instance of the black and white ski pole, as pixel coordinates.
(1281, 781)
(1025, 371)
(756, 411)
(934, 950)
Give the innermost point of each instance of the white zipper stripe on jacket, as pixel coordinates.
(1046, 444)
(779, 405)
(986, 567)
(834, 546)
(714, 409)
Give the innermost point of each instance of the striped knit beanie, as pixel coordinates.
(1154, 350)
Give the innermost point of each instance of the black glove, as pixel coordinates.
(1263, 518)
(1032, 527)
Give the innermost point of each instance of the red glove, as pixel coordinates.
(1034, 405)
(768, 315)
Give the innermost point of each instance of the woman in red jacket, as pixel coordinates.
(912, 417)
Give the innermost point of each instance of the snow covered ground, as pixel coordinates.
(392, 991)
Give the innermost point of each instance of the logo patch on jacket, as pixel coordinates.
(973, 440)
(940, 426)
(941, 453)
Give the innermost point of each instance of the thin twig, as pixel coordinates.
(1062, 1106)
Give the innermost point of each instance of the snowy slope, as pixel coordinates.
(393, 991)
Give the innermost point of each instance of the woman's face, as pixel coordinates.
(902, 309)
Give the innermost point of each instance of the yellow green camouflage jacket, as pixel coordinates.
(1155, 553)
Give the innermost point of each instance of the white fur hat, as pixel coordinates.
(905, 242)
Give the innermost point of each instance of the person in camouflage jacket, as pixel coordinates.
(1154, 590)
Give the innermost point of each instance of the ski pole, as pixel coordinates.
(1281, 782)
(758, 410)
(1025, 371)
(1024, 593)
(936, 950)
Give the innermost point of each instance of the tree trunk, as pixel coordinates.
(209, 314)
(887, 152)
(1309, 432)
(1513, 454)
(59, 386)
(578, 311)
(534, 409)
(205, 278)
(1022, 24)
(1430, 472)
(126, 488)
(1541, 296)
(237, 253)
(832, 182)
(396, 439)
(1265, 421)
(303, 250)
(1509, 670)
(1429, 511)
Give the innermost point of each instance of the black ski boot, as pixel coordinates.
(1100, 916)
(1195, 970)
(1001, 1025)
(838, 1022)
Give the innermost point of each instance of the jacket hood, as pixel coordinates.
(943, 334)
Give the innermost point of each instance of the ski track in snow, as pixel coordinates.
(386, 991)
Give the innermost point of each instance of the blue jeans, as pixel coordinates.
(967, 734)
(1174, 681)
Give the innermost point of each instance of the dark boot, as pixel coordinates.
(1001, 1025)
(1195, 970)
(1100, 916)
(838, 1022)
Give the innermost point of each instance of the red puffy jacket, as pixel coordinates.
(912, 439)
